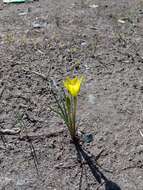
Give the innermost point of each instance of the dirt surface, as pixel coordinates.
(50, 39)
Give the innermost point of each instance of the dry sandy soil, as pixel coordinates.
(48, 40)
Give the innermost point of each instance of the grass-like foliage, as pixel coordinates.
(66, 103)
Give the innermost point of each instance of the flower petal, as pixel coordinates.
(73, 85)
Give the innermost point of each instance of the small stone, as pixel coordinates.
(39, 24)
(121, 21)
(83, 44)
(94, 6)
(88, 138)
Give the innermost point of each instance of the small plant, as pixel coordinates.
(9, 38)
(67, 103)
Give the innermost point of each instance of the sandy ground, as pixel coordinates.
(49, 39)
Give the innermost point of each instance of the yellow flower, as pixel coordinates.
(73, 85)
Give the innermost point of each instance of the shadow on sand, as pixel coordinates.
(91, 161)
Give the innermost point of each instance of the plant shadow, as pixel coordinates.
(91, 161)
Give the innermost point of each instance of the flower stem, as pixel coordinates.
(74, 115)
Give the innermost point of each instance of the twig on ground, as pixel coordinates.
(4, 132)
(33, 152)
(44, 77)
(40, 75)
(9, 131)
(99, 155)
(140, 165)
(141, 133)
(59, 166)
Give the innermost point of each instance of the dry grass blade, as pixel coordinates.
(33, 152)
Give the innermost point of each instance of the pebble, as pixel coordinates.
(121, 21)
(94, 6)
(88, 138)
(39, 24)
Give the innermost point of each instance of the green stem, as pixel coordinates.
(74, 115)
(68, 105)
